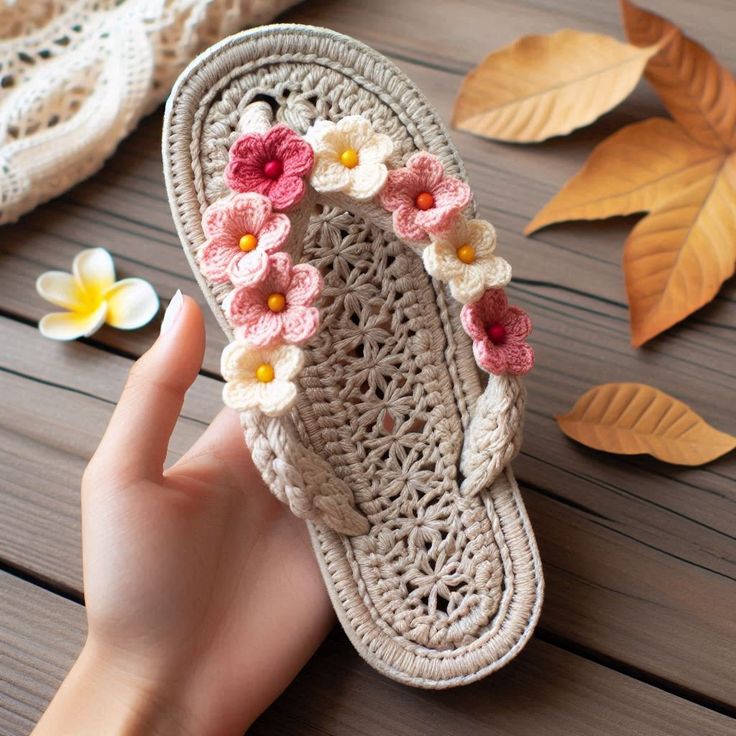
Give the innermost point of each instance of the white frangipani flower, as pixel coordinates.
(91, 296)
(464, 258)
(349, 156)
(261, 378)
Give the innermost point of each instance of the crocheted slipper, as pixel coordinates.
(322, 206)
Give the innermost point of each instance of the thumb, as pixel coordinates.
(136, 440)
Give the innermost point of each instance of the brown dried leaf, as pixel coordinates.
(540, 86)
(633, 418)
(699, 93)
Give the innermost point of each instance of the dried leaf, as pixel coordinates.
(698, 92)
(682, 172)
(635, 170)
(540, 86)
(676, 259)
(633, 418)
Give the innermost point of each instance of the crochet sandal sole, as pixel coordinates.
(393, 453)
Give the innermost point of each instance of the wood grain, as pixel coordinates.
(547, 690)
(639, 556)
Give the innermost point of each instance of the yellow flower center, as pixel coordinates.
(466, 253)
(349, 158)
(276, 302)
(265, 373)
(248, 242)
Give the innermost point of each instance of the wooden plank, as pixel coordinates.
(626, 577)
(546, 690)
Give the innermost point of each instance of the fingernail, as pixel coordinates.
(172, 312)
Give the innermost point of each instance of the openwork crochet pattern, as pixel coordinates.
(77, 75)
(393, 450)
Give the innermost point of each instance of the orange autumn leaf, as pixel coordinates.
(540, 86)
(682, 172)
(633, 419)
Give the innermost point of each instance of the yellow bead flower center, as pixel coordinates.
(248, 242)
(466, 253)
(265, 373)
(276, 302)
(349, 158)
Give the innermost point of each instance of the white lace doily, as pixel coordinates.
(77, 75)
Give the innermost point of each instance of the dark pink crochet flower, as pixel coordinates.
(422, 198)
(499, 333)
(273, 164)
(241, 232)
(279, 306)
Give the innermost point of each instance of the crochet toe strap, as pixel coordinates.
(300, 478)
(493, 438)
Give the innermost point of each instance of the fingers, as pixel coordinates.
(136, 441)
(222, 444)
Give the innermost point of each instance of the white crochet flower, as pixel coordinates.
(464, 257)
(349, 156)
(260, 378)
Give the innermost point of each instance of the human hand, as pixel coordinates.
(202, 592)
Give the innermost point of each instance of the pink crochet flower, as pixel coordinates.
(242, 231)
(422, 198)
(499, 332)
(273, 164)
(279, 306)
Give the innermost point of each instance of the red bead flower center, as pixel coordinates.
(424, 201)
(273, 169)
(497, 333)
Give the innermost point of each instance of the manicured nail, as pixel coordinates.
(172, 312)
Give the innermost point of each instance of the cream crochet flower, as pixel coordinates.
(464, 257)
(260, 379)
(349, 156)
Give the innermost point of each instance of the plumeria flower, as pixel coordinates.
(261, 378)
(279, 307)
(464, 257)
(423, 200)
(91, 296)
(499, 334)
(242, 231)
(349, 156)
(274, 164)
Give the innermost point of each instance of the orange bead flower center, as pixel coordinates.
(248, 242)
(265, 373)
(276, 302)
(349, 158)
(424, 201)
(466, 253)
(497, 333)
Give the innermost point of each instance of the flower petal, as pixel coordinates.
(482, 235)
(287, 361)
(60, 288)
(491, 358)
(215, 257)
(237, 360)
(519, 358)
(470, 316)
(274, 233)
(248, 269)
(517, 324)
(377, 150)
(286, 191)
(305, 286)
(300, 323)
(405, 224)
(329, 175)
(277, 398)
(131, 303)
(94, 271)
(242, 395)
(366, 181)
(427, 168)
(71, 325)
(468, 286)
(441, 261)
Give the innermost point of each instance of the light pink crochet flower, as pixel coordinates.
(279, 306)
(273, 164)
(241, 232)
(422, 198)
(499, 333)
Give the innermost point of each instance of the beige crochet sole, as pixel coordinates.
(446, 585)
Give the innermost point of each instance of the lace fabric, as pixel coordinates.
(77, 75)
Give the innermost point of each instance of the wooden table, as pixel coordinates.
(638, 629)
